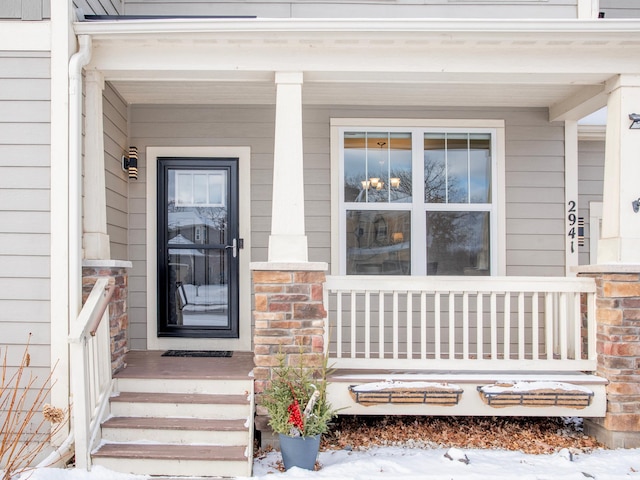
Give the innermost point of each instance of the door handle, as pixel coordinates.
(233, 247)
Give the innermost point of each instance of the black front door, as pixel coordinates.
(198, 247)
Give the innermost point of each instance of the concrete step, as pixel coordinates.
(144, 404)
(176, 430)
(232, 386)
(178, 460)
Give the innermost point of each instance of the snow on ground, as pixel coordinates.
(397, 463)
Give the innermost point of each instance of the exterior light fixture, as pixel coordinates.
(635, 120)
(130, 163)
(636, 205)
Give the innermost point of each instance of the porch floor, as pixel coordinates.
(151, 364)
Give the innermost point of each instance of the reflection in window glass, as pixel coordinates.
(377, 167)
(457, 167)
(458, 243)
(378, 242)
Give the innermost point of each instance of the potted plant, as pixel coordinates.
(299, 412)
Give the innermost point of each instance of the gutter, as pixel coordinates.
(394, 25)
(76, 63)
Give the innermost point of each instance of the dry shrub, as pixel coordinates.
(23, 435)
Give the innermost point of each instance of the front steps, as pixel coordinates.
(179, 427)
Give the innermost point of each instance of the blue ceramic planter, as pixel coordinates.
(299, 451)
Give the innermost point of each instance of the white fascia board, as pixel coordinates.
(375, 26)
(22, 36)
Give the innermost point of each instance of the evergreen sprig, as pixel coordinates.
(298, 383)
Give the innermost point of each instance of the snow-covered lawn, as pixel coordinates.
(397, 463)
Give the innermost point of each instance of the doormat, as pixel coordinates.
(197, 353)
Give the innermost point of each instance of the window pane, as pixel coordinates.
(199, 189)
(378, 242)
(400, 181)
(435, 171)
(377, 167)
(457, 167)
(355, 166)
(480, 163)
(458, 243)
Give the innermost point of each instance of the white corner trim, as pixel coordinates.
(23, 36)
(244, 177)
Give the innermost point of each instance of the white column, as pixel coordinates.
(288, 242)
(620, 242)
(588, 9)
(96, 240)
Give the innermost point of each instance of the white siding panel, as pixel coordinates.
(116, 181)
(620, 8)
(590, 187)
(24, 200)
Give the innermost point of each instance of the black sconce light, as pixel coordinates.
(635, 120)
(636, 205)
(130, 163)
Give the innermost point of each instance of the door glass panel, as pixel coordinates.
(197, 234)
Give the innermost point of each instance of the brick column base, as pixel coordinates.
(118, 316)
(618, 347)
(289, 318)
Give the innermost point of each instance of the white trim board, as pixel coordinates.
(243, 154)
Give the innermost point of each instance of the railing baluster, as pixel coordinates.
(423, 326)
(367, 324)
(338, 324)
(494, 326)
(591, 326)
(563, 326)
(395, 325)
(354, 320)
(535, 325)
(521, 346)
(465, 325)
(507, 326)
(436, 319)
(381, 325)
(409, 325)
(452, 325)
(577, 323)
(479, 327)
(548, 324)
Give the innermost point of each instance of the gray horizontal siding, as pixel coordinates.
(590, 188)
(620, 8)
(534, 179)
(359, 8)
(25, 205)
(115, 145)
(25, 9)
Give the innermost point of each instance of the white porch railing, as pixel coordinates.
(461, 323)
(91, 382)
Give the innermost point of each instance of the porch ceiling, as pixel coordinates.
(403, 63)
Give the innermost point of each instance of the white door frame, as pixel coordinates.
(243, 154)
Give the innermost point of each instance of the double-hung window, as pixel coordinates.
(418, 198)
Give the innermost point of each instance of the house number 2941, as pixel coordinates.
(571, 217)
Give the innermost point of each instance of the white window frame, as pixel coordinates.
(418, 209)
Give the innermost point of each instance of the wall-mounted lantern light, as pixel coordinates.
(130, 163)
(635, 120)
(636, 205)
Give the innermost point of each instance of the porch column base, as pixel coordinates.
(118, 315)
(289, 319)
(611, 438)
(618, 348)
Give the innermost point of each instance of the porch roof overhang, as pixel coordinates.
(562, 65)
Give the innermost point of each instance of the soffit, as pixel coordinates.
(437, 63)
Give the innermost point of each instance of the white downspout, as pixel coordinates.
(76, 63)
